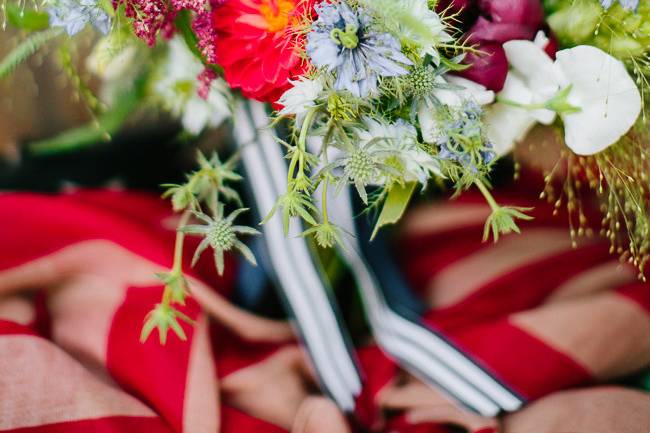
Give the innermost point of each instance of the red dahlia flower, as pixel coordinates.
(258, 46)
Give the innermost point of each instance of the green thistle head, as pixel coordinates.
(360, 166)
(420, 82)
(221, 235)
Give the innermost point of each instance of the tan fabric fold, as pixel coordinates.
(607, 333)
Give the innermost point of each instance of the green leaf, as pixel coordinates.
(25, 49)
(107, 124)
(453, 66)
(395, 205)
(29, 20)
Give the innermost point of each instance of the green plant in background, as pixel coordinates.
(621, 31)
(618, 175)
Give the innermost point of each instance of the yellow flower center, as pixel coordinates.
(277, 13)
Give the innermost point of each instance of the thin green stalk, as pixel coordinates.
(177, 266)
(487, 194)
(324, 200)
(306, 125)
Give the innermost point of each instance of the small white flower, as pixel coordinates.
(400, 140)
(109, 63)
(431, 31)
(117, 68)
(590, 90)
(300, 98)
(468, 90)
(428, 122)
(178, 86)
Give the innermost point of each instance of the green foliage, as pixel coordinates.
(163, 317)
(25, 49)
(95, 132)
(502, 221)
(26, 19)
(396, 202)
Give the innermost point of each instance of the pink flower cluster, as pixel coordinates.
(206, 35)
(153, 17)
(149, 17)
(205, 79)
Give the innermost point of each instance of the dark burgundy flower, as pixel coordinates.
(490, 23)
(489, 66)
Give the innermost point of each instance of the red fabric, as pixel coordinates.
(156, 377)
(528, 364)
(37, 227)
(11, 328)
(480, 323)
(103, 425)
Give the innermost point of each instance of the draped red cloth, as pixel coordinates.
(77, 278)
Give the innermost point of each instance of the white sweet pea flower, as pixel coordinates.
(178, 87)
(608, 97)
(300, 98)
(590, 90)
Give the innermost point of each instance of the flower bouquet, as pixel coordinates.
(386, 97)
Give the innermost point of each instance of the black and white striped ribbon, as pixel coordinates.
(291, 261)
(420, 350)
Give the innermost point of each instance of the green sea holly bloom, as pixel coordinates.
(220, 234)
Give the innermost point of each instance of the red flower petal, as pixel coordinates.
(256, 60)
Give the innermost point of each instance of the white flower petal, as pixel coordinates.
(475, 91)
(605, 92)
(507, 125)
(301, 97)
(195, 116)
(535, 67)
(427, 122)
(541, 40)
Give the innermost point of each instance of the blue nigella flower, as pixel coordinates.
(631, 5)
(342, 41)
(73, 15)
(467, 125)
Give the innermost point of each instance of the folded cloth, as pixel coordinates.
(77, 278)
(538, 313)
(77, 364)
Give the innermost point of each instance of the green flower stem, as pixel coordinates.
(324, 200)
(304, 130)
(537, 106)
(487, 194)
(180, 238)
(177, 266)
(292, 168)
(558, 103)
(299, 157)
